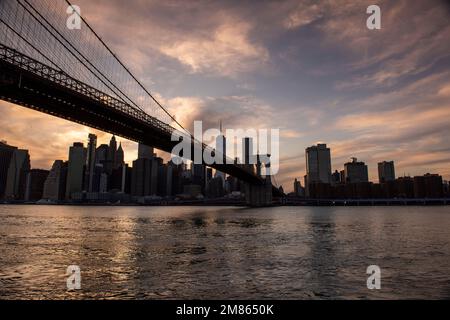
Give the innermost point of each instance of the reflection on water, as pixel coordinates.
(224, 252)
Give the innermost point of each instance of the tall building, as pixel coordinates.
(232, 184)
(161, 183)
(356, 171)
(113, 152)
(144, 176)
(145, 152)
(102, 155)
(55, 184)
(17, 173)
(247, 151)
(175, 178)
(120, 157)
(209, 174)
(90, 162)
(75, 169)
(214, 188)
(120, 179)
(318, 165)
(199, 176)
(6, 153)
(169, 179)
(35, 184)
(336, 177)
(298, 189)
(386, 171)
(221, 147)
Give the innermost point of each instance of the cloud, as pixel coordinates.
(207, 38)
(233, 111)
(46, 137)
(444, 91)
(384, 57)
(303, 15)
(288, 133)
(409, 136)
(228, 51)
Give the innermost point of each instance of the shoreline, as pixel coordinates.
(289, 203)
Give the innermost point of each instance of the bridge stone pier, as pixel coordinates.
(260, 195)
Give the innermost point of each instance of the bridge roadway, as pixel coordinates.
(32, 84)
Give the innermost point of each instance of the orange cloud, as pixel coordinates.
(46, 137)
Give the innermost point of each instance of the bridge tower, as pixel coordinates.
(260, 195)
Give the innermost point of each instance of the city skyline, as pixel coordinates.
(368, 94)
(204, 151)
(321, 171)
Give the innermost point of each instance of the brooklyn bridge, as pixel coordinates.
(75, 75)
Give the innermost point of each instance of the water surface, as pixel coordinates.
(224, 252)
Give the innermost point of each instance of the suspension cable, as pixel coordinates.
(30, 44)
(77, 51)
(130, 73)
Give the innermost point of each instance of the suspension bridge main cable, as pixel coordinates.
(78, 52)
(130, 73)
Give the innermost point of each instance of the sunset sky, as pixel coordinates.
(310, 68)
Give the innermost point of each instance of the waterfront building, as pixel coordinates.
(356, 171)
(90, 162)
(318, 164)
(6, 153)
(35, 184)
(386, 171)
(75, 169)
(55, 184)
(17, 174)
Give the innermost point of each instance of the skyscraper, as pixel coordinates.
(318, 164)
(175, 177)
(145, 152)
(75, 170)
(102, 155)
(120, 157)
(6, 153)
(336, 177)
(17, 173)
(161, 177)
(120, 178)
(113, 152)
(356, 171)
(247, 151)
(199, 176)
(143, 177)
(35, 184)
(144, 174)
(298, 189)
(90, 161)
(55, 184)
(386, 171)
(221, 147)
